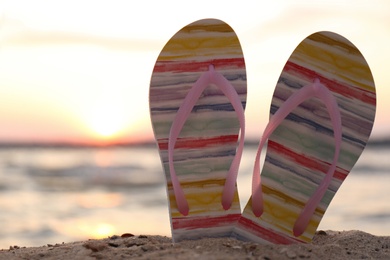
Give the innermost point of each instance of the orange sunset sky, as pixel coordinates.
(79, 71)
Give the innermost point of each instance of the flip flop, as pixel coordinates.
(322, 114)
(197, 99)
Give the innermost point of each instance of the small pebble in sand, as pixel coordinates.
(127, 235)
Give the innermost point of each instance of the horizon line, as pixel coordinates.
(374, 141)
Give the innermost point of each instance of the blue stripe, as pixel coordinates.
(216, 107)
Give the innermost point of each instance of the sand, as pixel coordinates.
(325, 245)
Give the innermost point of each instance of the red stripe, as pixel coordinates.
(195, 66)
(204, 222)
(305, 161)
(266, 234)
(337, 87)
(198, 142)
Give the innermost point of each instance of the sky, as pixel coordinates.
(79, 71)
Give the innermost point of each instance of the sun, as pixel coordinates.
(107, 121)
(114, 117)
(107, 118)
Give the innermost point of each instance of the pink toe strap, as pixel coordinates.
(209, 77)
(318, 90)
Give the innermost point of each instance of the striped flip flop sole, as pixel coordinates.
(301, 149)
(207, 143)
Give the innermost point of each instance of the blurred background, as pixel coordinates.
(77, 158)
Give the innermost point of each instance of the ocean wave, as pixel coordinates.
(90, 176)
(371, 169)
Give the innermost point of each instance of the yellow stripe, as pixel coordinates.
(287, 199)
(199, 41)
(346, 65)
(284, 216)
(282, 211)
(281, 217)
(201, 201)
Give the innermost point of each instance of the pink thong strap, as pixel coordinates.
(318, 90)
(209, 77)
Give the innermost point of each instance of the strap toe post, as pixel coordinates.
(208, 77)
(318, 90)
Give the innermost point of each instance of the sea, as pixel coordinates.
(54, 194)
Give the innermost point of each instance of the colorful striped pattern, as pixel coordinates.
(301, 149)
(207, 144)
